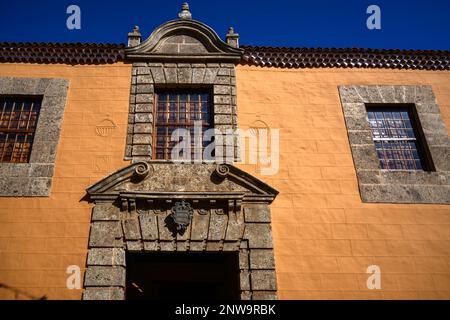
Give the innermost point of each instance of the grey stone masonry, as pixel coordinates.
(182, 54)
(34, 179)
(106, 257)
(104, 276)
(377, 185)
(108, 293)
(218, 77)
(133, 214)
(208, 231)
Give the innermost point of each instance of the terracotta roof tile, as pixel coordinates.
(279, 57)
(70, 53)
(282, 57)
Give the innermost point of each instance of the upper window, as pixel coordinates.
(399, 143)
(18, 121)
(180, 110)
(396, 137)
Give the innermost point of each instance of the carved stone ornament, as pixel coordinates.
(105, 127)
(166, 219)
(182, 214)
(142, 169)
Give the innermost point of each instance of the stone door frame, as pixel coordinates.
(139, 221)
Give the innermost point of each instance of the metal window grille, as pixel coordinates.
(176, 110)
(395, 138)
(18, 119)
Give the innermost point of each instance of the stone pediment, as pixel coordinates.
(187, 181)
(187, 40)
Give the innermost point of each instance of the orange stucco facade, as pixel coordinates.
(325, 237)
(41, 237)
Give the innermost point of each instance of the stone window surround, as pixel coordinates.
(146, 77)
(34, 179)
(384, 186)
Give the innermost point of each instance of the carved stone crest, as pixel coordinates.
(182, 214)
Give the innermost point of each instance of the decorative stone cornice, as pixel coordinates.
(255, 185)
(138, 170)
(140, 180)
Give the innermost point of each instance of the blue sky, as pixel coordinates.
(405, 24)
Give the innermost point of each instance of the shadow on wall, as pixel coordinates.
(18, 292)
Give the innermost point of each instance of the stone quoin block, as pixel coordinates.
(105, 234)
(262, 259)
(111, 293)
(100, 276)
(263, 280)
(106, 257)
(259, 235)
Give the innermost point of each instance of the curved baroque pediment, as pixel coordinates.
(183, 180)
(184, 40)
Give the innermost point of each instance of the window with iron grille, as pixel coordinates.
(180, 110)
(397, 138)
(18, 121)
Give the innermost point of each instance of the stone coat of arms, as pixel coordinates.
(182, 213)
